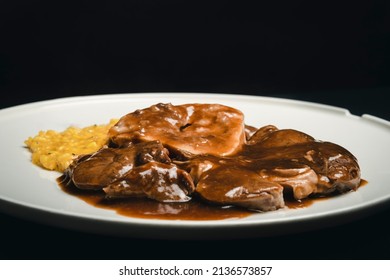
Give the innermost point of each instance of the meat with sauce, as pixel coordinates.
(230, 181)
(139, 170)
(298, 161)
(99, 169)
(194, 128)
(159, 181)
(274, 161)
(174, 153)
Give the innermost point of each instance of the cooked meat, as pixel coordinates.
(139, 170)
(230, 181)
(270, 136)
(159, 181)
(240, 186)
(169, 153)
(125, 187)
(297, 160)
(194, 128)
(109, 164)
(249, 131)
(341, 172)
(300, 178)
(288, 158)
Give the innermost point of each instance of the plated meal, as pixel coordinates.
(185, 161)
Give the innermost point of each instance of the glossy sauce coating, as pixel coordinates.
(169, 162)
(195, 128)
(195, 209)
(149, 209)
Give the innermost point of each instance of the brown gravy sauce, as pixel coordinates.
(195, 209)
(147, 208)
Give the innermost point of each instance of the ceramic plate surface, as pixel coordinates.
(32, 193)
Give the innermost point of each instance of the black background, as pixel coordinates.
(329, 52)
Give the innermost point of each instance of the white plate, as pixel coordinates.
(32, 193)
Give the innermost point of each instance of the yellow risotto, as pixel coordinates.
(54, 150)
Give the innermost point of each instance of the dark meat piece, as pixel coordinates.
(239, 186)
(249, 131)
(299, 177)
(108, 164)
(140, 170)
(297, 160)
(158, 181)
(270, 136)
(271, 160)
(229, 181)
(341, 170)
(287, 158)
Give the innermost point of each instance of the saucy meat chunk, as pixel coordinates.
(140, 170)
(195, 128)
(296, 160)
(107, 165)
(240, 187)
(230, 181)
(159, 181)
